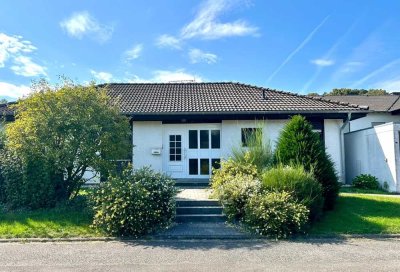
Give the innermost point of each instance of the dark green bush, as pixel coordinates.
(299, 145)
(275, 214)
(300, 184)
(366, 181)
(26, 184)
(135, 203)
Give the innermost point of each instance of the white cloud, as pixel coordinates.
(14, 49)
(134, 52)
(196, 56)
(391, 85)
(165, 76)
(168, 41)
(102, 76)
(207, 25)
(81, 24)
(323, 62)
(376, 72)
(24, 66)
(14, 91)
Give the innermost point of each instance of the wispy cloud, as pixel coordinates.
(101, 76)
(14, 91)
(168, 41)
(134, 52)
(375, 73)
(391, 85)
(24, 66)
(323, 62)
(197, 55)
(81, 24)
(298, 48)
(15, 49)
(165, 76)
(207, 25)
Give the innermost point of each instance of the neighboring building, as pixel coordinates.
(184, 129)
(383, 109)
(372, 142)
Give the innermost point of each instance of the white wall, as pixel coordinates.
(333, 144)
(147, 135)
(366, 121)
(374, 151)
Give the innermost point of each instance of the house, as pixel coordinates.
(383, 109)
(372, 142)
(184, 129)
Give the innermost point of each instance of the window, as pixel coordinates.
(204, 166)
(193, 167)
(249, 134)
(204, 139)
(215, 139)
(175, 147)
(216, 163)
(193, 142)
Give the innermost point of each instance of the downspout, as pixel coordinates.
(342, 151)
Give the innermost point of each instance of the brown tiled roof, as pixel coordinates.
(379, 103)
(227, 97)
(5, 109)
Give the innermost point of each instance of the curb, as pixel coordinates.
(199, 237)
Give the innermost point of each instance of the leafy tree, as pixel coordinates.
(313, 94)
(70, 128)
(3, 101)
(299, 145)
(347, 91)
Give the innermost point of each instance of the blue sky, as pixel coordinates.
(300, 46)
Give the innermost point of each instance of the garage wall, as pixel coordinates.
(333, 144)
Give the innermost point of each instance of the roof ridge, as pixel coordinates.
(308, 97)
(391, 106)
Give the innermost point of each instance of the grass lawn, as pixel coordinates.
(51, 223)
(364, 191)
(361, 214)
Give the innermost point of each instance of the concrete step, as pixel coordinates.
(194, 185)
(197, 203)
(204, 218)
(199, 210)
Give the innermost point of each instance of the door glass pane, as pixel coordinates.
(193, 167)
(216, 163)
(193, 139)
(204, 166)
(204, 139)
(175, 151)
(215, 139)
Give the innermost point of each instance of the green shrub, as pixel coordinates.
(366, 181)
(299, 183)
(27, 183)
(257, 152)
(230, 168)
(275, 214)
(135, 203)
(299, 145)
(234, 194)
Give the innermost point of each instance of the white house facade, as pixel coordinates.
(372, 142)
(185, 129)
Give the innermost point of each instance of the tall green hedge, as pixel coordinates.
(299, 145)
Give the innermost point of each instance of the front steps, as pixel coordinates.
(196, 211)
(192, 183)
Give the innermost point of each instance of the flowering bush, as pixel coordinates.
(135, 203)
(275, 214)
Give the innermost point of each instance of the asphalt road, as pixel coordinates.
(312, 255)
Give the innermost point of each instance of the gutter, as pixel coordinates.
(342, 156)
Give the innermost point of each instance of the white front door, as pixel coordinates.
(191, 150)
